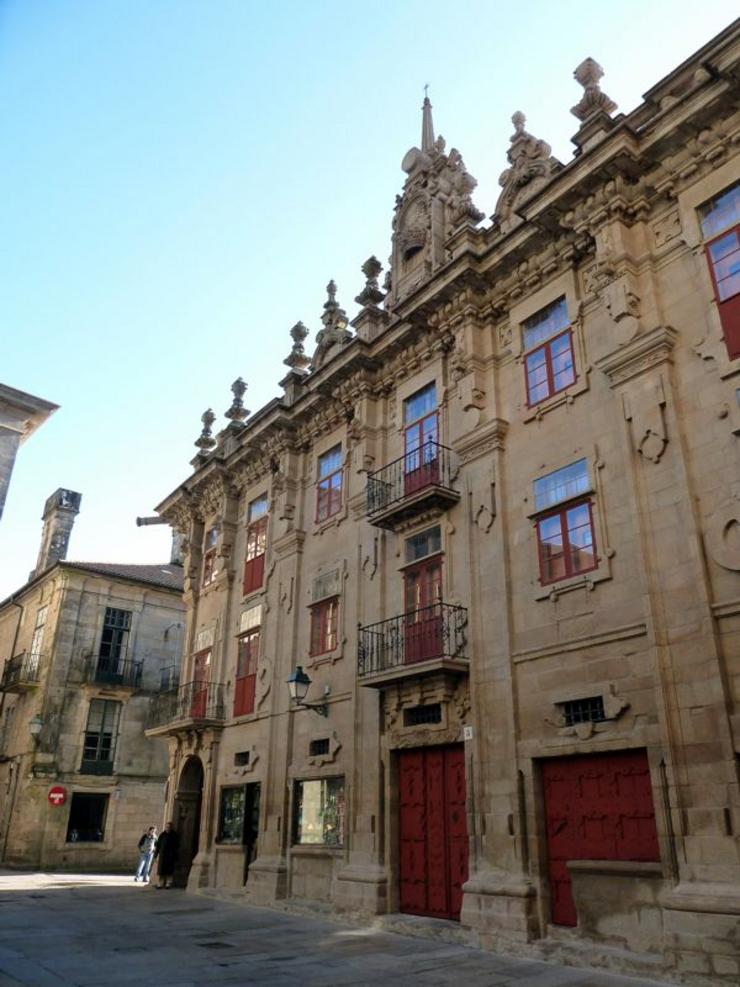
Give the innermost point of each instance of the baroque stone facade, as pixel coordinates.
(496, 527)
(84, 649)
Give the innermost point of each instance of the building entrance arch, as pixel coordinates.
(188, 800)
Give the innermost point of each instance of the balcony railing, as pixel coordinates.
(410, 482)
(193, 701)
(432, 633)
(96, 766)
(115, 672)
(21, 672)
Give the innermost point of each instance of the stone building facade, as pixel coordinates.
(494, 521)
(84, 649)
(20, 415)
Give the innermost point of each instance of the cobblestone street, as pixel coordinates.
(59, 930)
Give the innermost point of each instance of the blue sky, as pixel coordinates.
(181, 178)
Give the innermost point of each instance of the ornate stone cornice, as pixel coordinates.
(484, 440)
(642, 353)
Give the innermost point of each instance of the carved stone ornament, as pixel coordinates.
(588, 74)
(205, 440)
(297, 359)
(453, 696)
(613, 706)
(723, 535)
(532, 166)
(335, 331)
(646, 416)
(371, 295)
(237, 412)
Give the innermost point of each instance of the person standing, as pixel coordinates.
(147, 846)
(165, 851)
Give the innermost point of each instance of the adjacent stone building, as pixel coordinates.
(20, 415)
(84, 649)
(494, 521)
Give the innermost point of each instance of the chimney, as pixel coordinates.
(60, 511)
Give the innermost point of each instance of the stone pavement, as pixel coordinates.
(59, 930)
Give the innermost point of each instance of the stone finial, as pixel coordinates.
(588, 74)
(205, 440)
(297, 359)
(427, 127)
(237, 412)
(334, 317)
(531, 166)
(371, 295)
(335, 329)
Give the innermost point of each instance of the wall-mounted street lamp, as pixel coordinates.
(35, 726)
(298, 683)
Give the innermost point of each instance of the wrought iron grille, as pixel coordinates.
(23, 669)
(318, 747)
(431, 465)
(191, 701)
(438, 631)
(589, 710)
(117, 671)
(417, 715)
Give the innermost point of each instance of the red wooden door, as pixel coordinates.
(421, 455)
(433, 837)
(423, 625)
(199, 700)
(597, 807)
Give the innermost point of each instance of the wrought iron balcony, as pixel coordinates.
(415, 482)
(430, 639)
(96, 766)
(191, 704)
(21, 672)
(115, 672)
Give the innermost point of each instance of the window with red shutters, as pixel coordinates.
(324, 626)
(421, 440)
(548, 352)
(329, 484)
(254, 563)
(720, 224)
(246, 672)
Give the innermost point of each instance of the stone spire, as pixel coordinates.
(427, 127)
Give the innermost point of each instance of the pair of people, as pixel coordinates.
(164, 848)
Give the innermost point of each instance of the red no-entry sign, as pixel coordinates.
(57, 795)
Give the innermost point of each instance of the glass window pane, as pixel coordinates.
(729, 287)
(545, 323)
(320, 812)
(258, 508)
(722, 247)
(420, 404)
(231, 817)
(721, 211)
(331, 461)
(427, 542)
(561, 485)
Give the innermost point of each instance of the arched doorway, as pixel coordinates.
(187, 816)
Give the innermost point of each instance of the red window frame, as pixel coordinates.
(254, 562)
(329, 488)
(248, 650)
(324, 625)
(728, 308)
(546, 349)
(568, 550)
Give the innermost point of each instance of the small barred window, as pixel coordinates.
(318, 747)
(589, 710)
(417, 715)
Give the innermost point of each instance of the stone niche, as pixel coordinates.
(618, 902)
